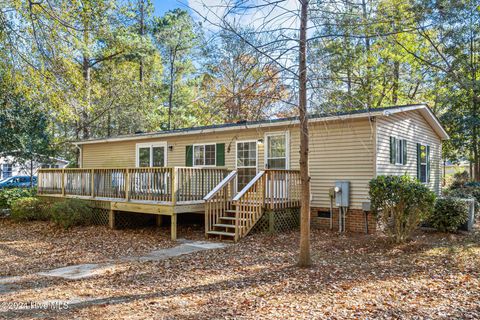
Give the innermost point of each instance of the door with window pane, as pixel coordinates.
(246, 162)
(276, 158)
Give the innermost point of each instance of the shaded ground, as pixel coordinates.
(434, 276)
(37, 246)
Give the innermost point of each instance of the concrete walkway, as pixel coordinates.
(82, 271)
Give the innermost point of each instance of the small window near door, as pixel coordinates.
(204, 155)
(276, 151)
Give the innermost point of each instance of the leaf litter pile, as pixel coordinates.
(435, 276)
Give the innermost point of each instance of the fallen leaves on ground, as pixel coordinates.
(38, 246)
(353, 276)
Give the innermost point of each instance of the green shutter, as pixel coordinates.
(405, 152)
(419, 159)
(189, 156)
(392, 150)
(428, 163)
(220, 156)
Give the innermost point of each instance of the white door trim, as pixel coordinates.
(151, 145)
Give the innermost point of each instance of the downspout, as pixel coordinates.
(331, 192)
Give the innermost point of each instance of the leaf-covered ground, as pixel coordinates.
(436, 276)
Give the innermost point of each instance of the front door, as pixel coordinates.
(276, 158)
(246, 162)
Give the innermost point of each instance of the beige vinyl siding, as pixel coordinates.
(123, 153)
(413, 127)
(341, 150)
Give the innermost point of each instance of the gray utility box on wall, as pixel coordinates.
(342, 193)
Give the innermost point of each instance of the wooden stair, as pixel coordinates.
(231, 216)
(224, 228)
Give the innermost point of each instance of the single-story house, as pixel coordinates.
(11, 167)
(352, 146)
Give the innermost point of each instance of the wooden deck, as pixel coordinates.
(160, 191)
(172, 191)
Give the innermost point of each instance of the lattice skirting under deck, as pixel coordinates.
(279, 220)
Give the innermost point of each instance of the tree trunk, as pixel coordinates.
(170, 94)
(396, 80)
(368, 77)
(142, 33)
(304, 257)
(86, 77)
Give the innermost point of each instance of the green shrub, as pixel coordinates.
(71, 212)
(449, 214)
(466, 193)
(9, 195)
(29, 208)
(401, 203)
(460, 179)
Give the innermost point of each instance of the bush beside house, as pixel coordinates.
(400, 203)
(10, 195)
(25, 207)
(30, 208)
(449, 214)
(71, 212)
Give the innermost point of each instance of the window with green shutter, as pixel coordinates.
(398, 151)
(423, 163)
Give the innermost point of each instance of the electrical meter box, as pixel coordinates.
(342, 193)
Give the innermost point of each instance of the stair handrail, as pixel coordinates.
(248, 186)
(219, 186)
(249, 204)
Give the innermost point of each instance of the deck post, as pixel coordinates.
(174, 185)
(63, 182)
(111, 219)
(92, 182)
(159, 220)
(127, 185)
(173, 227)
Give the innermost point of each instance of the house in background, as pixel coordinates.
(10, 167)
(236, 173)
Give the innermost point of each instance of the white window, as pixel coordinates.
(398, 151)
(423, 163)
(152, 154)
(204, 155)
(7, 170)
(276, 153)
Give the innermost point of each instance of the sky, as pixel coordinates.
(162, 6)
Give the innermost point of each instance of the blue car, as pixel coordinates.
(17, 182)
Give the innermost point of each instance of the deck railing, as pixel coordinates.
(219, 200)
(249, 203)
(160, 184)
(282, 189)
